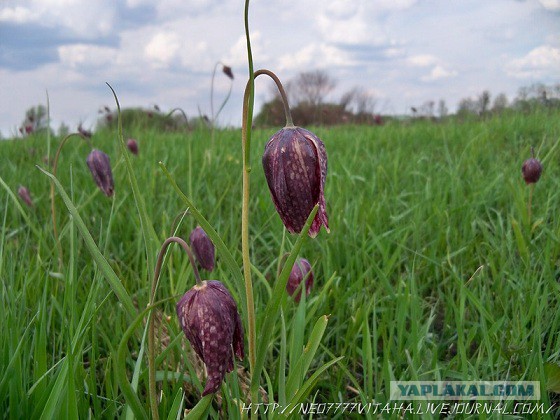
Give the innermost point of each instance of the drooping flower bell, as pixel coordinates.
(300, 271)
(100, 167)
(295, 166)
(132, 145)
(209, 318)
(203, 248)
(531, 169)
(24, 194)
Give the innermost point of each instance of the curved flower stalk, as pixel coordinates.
(229, 74)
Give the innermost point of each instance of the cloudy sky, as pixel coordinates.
(403, 52)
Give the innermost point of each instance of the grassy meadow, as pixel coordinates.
(433, 270)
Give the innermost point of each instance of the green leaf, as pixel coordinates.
(299, 370)
(100, 260)
(273, 305)
(552, 372)
(308, 385)
(226, 256)
(200, 409)
(175, 410)
(520, 240)
(148, 232)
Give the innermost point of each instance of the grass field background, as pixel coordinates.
(433, 269)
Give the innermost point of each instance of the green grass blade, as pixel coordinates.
(200, 410)
(211, 232)
(151, 241)
(100, 260)
(308, 385)
(176, 407)
(299, 370)
(273, 306)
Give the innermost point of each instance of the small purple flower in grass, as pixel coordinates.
(25, 195)
(531, 169)
(295, 166)
(100, 167)
(300, 271)
(132, 146)
(203, 248)
(209, 318)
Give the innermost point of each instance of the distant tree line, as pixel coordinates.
(528, 99)
(308, 94)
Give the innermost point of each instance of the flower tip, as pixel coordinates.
(100, 168)
(531, 170)
(203, 248)
(132, 145)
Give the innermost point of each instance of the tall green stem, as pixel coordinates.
(248, 102)
(151, 328)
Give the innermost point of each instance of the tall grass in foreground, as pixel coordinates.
(432, 270)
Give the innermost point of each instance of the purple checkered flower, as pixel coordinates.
(295, 166)
(209, 318)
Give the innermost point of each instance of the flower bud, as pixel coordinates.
(300, 271)
(531, 170)
(100, 167)
(203, 248)
(295, 166)
(132, 146)
(227, 71)
(209, 318)
(25, 196)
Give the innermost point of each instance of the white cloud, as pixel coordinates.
(540, 62)
(86, 55)
(314, 56)
(16, 14)
(357, 29)
(553, 5)
(163, 48)
(97, 18)
(422, 60)
(237, 54)
(439, 72)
